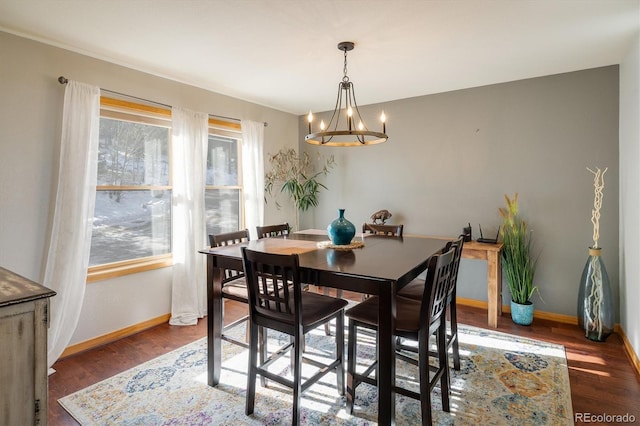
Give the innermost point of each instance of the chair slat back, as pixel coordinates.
(272, 230)
(388, 230)
(457, 245)
(434, 302)
(227, 239)
(271, 279)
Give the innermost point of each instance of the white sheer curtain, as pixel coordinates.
(68, 256)
(189, 291)
(253, 174)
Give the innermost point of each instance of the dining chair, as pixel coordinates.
(292, 311)
(234, 285)
(416, 320)
(277, 230)
(273, 230)
(388, 230)
(415, 290)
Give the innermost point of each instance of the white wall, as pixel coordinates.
(630, 195)
(451, 157)
(30, 115)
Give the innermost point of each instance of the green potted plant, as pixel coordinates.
(297, 177)
(518, 263)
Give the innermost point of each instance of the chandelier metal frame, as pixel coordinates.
(347, 106)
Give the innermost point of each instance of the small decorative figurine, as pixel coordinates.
(381, 215)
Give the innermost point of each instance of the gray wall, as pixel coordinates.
(451, 157)
(30, 116)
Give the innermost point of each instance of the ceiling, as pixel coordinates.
(283, 53)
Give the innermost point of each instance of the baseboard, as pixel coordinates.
(565, 319)
(631, 353)
(113, 336)
(472, 302)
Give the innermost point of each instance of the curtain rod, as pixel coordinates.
(64, 80)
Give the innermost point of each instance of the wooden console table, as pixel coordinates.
(490, 253)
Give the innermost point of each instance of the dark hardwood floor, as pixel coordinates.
(602, 378)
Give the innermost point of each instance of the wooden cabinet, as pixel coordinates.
(24, 316)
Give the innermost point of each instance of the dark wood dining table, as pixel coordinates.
(381, 267)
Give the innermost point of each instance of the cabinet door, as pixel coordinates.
(18, 325)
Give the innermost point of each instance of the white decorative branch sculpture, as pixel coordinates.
(598, 183)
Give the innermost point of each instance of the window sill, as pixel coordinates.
(104, 272)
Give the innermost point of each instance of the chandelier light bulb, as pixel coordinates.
(310, 118)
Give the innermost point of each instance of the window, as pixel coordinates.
(132, 218)
(223, 192)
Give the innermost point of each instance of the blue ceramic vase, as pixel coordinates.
(341, 231)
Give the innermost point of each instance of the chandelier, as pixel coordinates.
(354, 131)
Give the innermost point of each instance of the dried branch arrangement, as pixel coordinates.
(598, 184)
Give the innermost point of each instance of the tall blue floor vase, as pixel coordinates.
(595, 304)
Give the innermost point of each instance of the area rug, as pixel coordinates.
(504, 380)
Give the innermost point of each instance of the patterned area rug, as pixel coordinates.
(504, 380)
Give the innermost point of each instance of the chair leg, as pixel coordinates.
(297, 376)
(351, 366)
(251, 376)
(340, 352)
(327, 329)
(425, 383)
(443, 362)
(454, 334)
(425, 405)
(262, 337)
(292, 359)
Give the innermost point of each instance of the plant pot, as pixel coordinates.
(522, 314)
